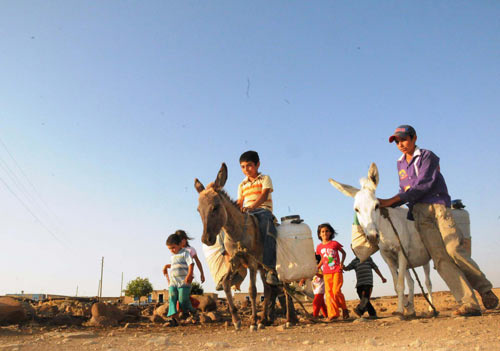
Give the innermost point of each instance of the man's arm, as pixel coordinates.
(428, 173)
(389, 202)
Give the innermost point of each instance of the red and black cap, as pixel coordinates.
(402, 132)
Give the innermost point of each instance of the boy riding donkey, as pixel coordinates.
(254, 196)
(423, 187)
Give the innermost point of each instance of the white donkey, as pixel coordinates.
(379, 231)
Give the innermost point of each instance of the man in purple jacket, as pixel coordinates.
(423, 188)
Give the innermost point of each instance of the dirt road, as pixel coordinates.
(386, 333)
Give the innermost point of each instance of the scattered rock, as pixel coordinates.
(158, 341)
(206, 302)
(214, 316)
(79, 335)
(217, 344)
(11, 311)
(161, 311)
(105, 315)
(416, 343)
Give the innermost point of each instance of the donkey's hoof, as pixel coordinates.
(400, 315)
(237, 325)
(253, 328)
(261, 326)
(411, 315)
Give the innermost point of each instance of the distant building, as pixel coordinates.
(157, 296)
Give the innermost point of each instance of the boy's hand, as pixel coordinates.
(188, 279)
(202, 278)
(302, 282)
(384, 280)
(166, 268)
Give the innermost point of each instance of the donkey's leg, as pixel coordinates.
(428, 284)
(395, 278)
(252, 291)
(400, 284)
(291, 315)
(226, 284)
(410, 305)
(269, 304)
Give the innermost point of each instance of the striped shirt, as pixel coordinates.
(179, 269)
(250, 191)
(191, 250)
(364, 274)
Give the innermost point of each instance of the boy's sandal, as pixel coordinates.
(173, 323)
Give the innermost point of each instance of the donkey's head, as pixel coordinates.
(210, 206)
(366, 204)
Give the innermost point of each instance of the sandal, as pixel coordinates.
(173, 323)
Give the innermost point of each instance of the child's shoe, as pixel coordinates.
(173, 323)
(358, 311)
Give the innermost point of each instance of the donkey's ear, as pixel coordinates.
(220, 181)
(198, 186)
(373, 173)
(343, 188)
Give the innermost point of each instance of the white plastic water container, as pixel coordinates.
(295, 257)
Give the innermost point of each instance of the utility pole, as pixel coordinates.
(121, 286)
(76, 291)
(100, 281)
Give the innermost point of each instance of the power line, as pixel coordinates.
(31, 212)
(47, 209)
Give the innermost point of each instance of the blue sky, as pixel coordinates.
(111, 109)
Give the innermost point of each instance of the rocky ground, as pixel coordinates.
(386, 333)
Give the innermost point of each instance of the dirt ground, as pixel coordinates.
(424, 332)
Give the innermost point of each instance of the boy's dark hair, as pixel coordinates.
(250, 156)
(173, 239)
(183, 235)
(326, 225)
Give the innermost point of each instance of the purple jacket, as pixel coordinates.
(421, 180)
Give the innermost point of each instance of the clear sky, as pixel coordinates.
(110, 109)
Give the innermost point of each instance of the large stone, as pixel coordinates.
(11, 311)
(161, 311)
(105, 315)
(214, 316)
(155, 318)
(207, 303)
(46, 310)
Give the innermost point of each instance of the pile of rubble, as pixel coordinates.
(92, 313)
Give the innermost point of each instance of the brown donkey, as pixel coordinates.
(242, 241)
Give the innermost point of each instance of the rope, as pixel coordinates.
(385, 213)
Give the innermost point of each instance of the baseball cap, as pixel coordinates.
(402, 132)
